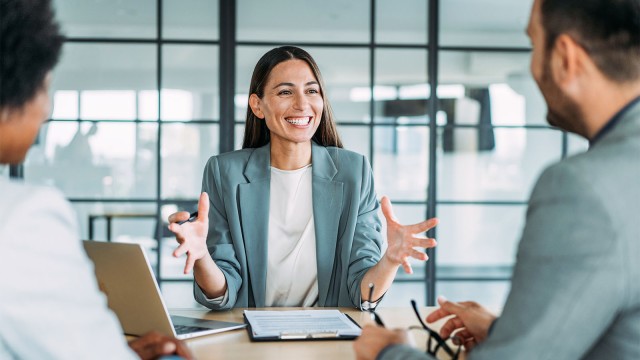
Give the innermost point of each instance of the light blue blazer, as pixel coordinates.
(345, 210)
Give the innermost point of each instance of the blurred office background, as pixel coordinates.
(437, 95)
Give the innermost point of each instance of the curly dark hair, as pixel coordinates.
(30, 45)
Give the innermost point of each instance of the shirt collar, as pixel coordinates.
(614, 120)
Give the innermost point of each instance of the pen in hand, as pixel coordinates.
(191, 218)
(374, 316)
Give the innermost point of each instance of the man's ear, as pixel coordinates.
(567, 61)
(254, 103)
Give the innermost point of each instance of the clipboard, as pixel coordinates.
(301, 334)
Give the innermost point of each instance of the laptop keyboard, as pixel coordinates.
(185, 329)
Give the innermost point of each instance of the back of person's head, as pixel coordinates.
(256, 133)
(30, 44)
(609, 30)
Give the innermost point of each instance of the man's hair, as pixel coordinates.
(609, 30)
(30, 44)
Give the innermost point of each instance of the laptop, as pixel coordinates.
(124, 275)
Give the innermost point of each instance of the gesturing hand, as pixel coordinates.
(470, 324)
(402, 238)
(192, 236)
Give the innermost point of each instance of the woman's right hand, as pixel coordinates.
(192, 236)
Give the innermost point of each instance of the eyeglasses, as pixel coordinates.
(372, 309)
(440, 343)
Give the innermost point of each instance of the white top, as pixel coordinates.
(50, 305)
(292, 272)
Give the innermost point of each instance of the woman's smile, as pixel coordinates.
(292, 104)
(299, 121)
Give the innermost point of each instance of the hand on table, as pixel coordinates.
(402, 238)
(374, 338)
(153, 345)
(470, 323)
(192, 236)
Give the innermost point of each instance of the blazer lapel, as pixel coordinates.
(254, 212)
(327, 207)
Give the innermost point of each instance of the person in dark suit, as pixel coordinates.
(575, 291)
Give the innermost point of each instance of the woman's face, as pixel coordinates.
(292, 104)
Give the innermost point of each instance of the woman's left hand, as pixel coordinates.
(403, 239)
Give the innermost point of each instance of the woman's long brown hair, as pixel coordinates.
(256, 133)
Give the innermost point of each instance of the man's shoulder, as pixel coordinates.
(604, 178)
(566, 179)
(611, 156)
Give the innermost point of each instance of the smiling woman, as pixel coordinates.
(291, 219)
(274, 72)
(291, 108)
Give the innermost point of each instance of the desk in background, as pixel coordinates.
(236, 344)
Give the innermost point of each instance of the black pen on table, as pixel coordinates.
(375, 316)
(192, 217)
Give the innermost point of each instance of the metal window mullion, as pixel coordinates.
(227, 54)
(372, 78)
(159, 224)
(432, 71)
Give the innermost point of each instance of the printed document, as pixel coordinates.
(300, 324)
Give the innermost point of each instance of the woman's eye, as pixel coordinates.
(313, 91)
(284, 92)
